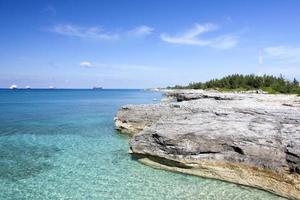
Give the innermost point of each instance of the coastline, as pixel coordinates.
(168, 136)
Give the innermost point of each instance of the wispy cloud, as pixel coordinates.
(85, 64)
(141, 31)
(283, 53)
(224, 42)
(99, 33)
(81, 32)
(192, 37)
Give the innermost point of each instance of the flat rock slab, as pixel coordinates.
(250, 139)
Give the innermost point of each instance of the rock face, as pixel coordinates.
(249, 139)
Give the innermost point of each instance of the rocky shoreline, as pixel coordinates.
(249, 139)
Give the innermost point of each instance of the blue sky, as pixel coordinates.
(145, 43)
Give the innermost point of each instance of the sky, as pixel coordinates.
(145, 43)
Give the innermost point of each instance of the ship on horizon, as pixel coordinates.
(13, 87)
(51, 87)
(97, 88)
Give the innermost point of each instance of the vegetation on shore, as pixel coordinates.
(237, 82)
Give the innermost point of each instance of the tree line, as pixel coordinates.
(238, 82)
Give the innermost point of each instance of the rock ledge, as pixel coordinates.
(249, 139)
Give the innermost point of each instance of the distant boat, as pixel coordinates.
(13, 87)
(97, 88)
(28, 87)
(51, 87)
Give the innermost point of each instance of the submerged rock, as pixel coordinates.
(249, 139)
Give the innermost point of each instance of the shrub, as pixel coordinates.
(237, 82)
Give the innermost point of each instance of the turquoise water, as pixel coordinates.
(61, 144)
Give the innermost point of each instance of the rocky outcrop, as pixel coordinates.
(187, 95)
(249, 139)
(132, 119)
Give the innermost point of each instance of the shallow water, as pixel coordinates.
(61, 144)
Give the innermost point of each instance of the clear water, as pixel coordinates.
(61, 144)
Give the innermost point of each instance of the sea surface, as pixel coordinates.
(61, 144)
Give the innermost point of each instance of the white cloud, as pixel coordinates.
(85, 64)
(141, 31)
(283, 53)
(91, 33)
(192, 37)
(99, 33)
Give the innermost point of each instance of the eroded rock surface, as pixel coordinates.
(250, 139)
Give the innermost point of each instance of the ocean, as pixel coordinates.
(61, 144)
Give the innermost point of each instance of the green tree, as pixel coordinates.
(248, 82)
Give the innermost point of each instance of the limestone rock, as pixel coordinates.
(249, 139)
